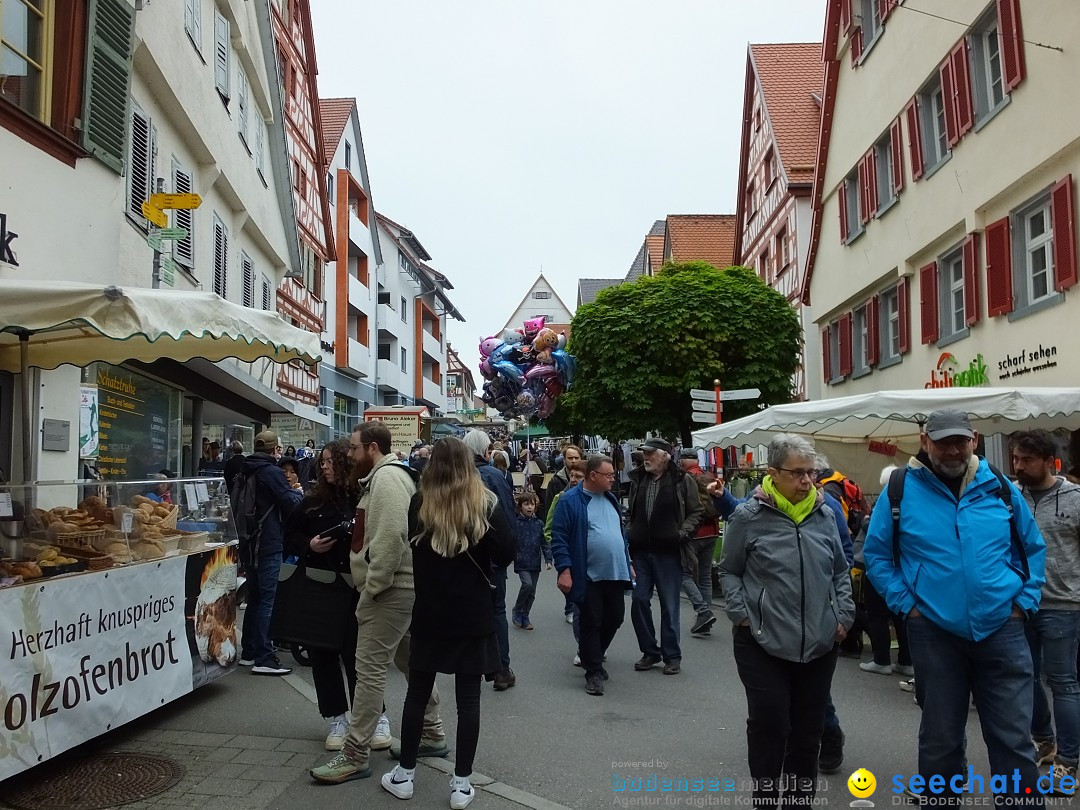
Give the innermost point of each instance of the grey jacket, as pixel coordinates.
(1058, 518)
(791, 582)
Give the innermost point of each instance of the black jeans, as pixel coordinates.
(468, 718)
(878, 617)
(327, 667)
(498, 604)
(785, 702)
(602, 613)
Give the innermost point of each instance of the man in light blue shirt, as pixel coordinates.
(591, 556)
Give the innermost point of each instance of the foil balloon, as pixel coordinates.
(489, 345)
(534, 325)
(526, 370)
(512, 336)
(540, 372)
(486, 371)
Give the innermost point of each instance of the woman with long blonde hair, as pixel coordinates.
(458, 533)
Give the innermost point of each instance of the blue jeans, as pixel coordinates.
(997, 671)
(832, 721)
(526, 594)
(664, 572)
(498, 603)
(1053, 636)
(262, 579)
(697, 575)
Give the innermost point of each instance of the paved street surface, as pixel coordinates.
(247, 741)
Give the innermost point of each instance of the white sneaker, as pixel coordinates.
(461, 793)
(246, 662)
(577, 660)
(399, 782)
(877, 669)
(335, 738)
(382, 739)
(569, 618)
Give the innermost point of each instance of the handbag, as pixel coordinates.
(313, 608)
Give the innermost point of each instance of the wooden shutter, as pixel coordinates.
(896, 141)
(928, 302)
(184, 249)
(260, 134)
(222, 48)
(914, 133)
(139, 170)
(221, 258)
(107, 87)
(1013, 67)
(1063, 217)
(242, 103)
(873, 331)
(856, 45)
(864, 192)
(845, 17)
(948, 99)
(267, 294)
(826, 353)
(193, 21)
(903, 304)
(871, 183)
(841, 194)
(248, 268)
(971, 279)
(961, 70)
(999, 285)
(844, 327)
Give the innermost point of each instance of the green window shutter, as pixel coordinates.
(108, 81)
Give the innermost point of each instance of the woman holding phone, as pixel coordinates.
(314, 533)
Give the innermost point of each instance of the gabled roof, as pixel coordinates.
(405, 235)
(335, 114)
(654, 252)
(791, 76)
(588, 288)
(639, 267)
(701, 237)
(530, 291)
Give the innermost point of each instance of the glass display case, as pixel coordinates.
(49, 529)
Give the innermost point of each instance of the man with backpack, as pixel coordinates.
(697, 553)
(261, 500)
(954, 548)
(847, 492)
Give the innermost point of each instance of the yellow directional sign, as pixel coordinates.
(166, 201)
(154, 214)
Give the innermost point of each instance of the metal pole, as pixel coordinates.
(24, 401)
(716, 388)
(196, 435)
(155, 278)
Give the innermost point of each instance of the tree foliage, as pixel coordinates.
(641, 347)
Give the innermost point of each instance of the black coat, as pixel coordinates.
(313, 517)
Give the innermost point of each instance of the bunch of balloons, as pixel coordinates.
(526, 370)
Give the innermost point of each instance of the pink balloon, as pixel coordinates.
(488, 345)
(534, 325)
(540, 371)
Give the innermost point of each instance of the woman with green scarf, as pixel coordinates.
(788, 593)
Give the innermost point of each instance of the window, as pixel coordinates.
(141, 159)
(183, 249)
(892, 323)
(885, 168)
(248, 268)
(243, 92)
(222, 53)
(836, 349)
(404, 359)
(848, 195)
(951, 270)
(783, 251)
(24, 72)
(763, 266)
(404, 310)
(750, 201)
(346, 414)
(1036, 260)
(193, 22)
(860, 340)
(348, 155)
(267, 294)
(384, 351)
(260, 150)
(870, 14)
(770, 167)
(541, 294)
(757, 119)
(931, 107)
(997, 58)
(221, 257)
(330, 185)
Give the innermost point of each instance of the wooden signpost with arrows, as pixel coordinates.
(154, 210)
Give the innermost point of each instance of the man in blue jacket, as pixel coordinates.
(961, 585)
(593, 562)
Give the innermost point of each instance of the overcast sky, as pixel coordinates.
(515, 135)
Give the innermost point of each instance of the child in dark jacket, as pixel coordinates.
(531, 549)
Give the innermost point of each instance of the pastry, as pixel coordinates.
(142, 500)
(162, 511)
(148, 550)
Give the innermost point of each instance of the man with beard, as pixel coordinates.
(1054, 630)
(967, 573)
(381, 564)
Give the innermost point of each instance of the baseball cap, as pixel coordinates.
(948, 422)
(266, 441)
(688, 452)
(655, 444)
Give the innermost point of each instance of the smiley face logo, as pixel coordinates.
(861, 783)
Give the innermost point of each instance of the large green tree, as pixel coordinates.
(641, 347)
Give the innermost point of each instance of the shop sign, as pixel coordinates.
(881, 448)
(7, 255)
(82, 655)
(1027, 362)
(135, 417)
(404, 426)
(292, 430)
(948, 373)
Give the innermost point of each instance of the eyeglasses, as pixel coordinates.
(604, 475)
(797, 474)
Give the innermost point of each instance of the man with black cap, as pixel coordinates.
(665, 511)
(274, 500)
(965, 565)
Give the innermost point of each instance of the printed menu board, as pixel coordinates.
(136, 416)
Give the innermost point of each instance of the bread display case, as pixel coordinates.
(116, 596)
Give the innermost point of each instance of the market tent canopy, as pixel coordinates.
(843, 428)
(67, 322)
(531, 432)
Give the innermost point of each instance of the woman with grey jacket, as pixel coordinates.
(788, 592)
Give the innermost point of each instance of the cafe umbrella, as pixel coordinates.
(46, 324)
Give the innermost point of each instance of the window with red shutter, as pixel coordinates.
(826, 353)
(844, 328)
(864, 192)
(964, 109)
(873, 350)
(971, 279)
(1063, 217)
(914, 138)
(845, 16)
(903, 302)
(896, 138)
(948, 96)
(856, 45)
(928, 302)
(1013, 66)
(842, 204)
(999, 282)
(871, 183)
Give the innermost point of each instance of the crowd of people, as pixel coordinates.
(976, 576)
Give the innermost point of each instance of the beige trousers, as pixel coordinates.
(382, 638)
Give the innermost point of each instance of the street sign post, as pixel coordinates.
(171, 234)
(701, 416)
(168, 270)
(166, 201)
(707, 407)
(725, 396)
(154, 214)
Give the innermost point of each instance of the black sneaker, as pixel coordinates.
(647, 661)
(504, 680)
(703, 624)
(831, 755)
(271, 667)
(594, 685)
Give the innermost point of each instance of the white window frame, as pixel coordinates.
(141, 176)
(870, 21)
(221, 257)
(543, 294)
(243, 96)
(1026, 248)
(883, 165)
(783, 250)
(988, 74)
(952, 313)
(860, 341)
(855, 227)
(193, 22)
(404, 359)
(834, 351)
(404, 310)
(932, 125)
(889, 326)
(222, 56)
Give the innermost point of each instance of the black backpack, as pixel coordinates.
(249, 524)
(896, 495)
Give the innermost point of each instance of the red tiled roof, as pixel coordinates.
(791, 74)
(335, 115)
(702, 237)
(654, 243)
